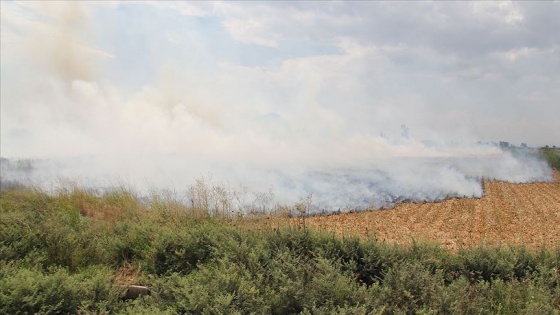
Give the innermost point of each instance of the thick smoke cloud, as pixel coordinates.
(305, 116)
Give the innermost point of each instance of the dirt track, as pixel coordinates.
(516, 214)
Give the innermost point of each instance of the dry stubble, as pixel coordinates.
(508, 214)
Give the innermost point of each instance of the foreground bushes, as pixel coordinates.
(26, 290)
(67, 253)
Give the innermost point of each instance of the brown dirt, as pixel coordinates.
(508, 214)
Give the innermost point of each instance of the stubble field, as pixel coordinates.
(508, 214)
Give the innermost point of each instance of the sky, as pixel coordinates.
(200, 87)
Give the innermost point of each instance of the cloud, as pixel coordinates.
(462, 28)
(185, 8)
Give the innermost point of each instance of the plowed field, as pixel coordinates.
(516, 214)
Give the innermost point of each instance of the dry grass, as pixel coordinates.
(127, 274)
(508, 214)
(107, 213)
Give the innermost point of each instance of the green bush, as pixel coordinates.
(64, 253)
(55, 291)
(182, 251)
(552, 156)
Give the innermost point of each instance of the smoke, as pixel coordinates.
(242, 126)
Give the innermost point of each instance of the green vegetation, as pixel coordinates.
(552, 156)
(75, 252)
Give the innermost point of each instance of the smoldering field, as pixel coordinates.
(259, 156)
(192, 123)
(380, 182)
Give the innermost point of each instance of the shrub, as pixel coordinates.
(32, 291)
(552, 156)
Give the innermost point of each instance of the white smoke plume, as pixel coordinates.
(296, 127)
